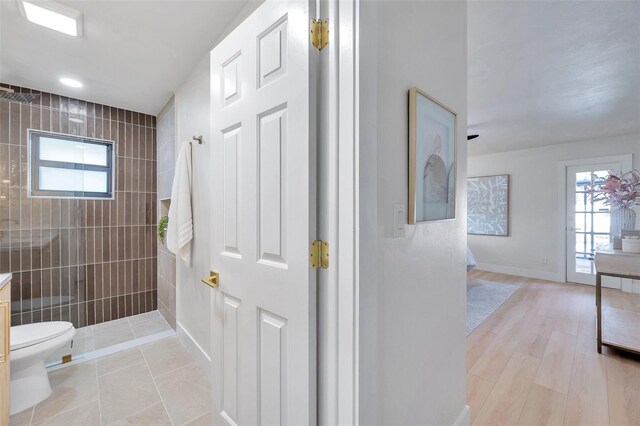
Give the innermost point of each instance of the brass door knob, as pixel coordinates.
(212, 279)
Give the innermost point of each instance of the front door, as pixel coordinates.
(588, 222)
(263, 193)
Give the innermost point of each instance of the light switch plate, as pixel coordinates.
(399, 220)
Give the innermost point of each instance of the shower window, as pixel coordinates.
(68, 166)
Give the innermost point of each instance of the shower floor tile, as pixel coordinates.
(149, 326)
(122, 389)
(100, 336)
(111, 333)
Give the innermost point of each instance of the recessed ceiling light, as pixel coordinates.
(70, 82)
(52, 15)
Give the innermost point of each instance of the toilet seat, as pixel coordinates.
(23, 336)
(31, 345)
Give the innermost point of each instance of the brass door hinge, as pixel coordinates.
(319, 255)
(319, 33)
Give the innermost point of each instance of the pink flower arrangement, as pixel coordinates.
(620, 190)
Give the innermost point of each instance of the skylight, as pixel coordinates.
(53, 15)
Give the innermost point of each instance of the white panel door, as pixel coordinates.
(263, 193)
(588, 223)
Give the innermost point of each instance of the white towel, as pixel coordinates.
(180, 226)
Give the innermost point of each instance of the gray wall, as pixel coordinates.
(193, 298)
(412, 289)
(534, 247)
(192, 118)
(166, 168)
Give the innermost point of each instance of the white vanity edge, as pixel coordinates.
(4, 279)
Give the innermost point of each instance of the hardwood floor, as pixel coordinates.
(534, 360)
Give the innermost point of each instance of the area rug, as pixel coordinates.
(484, 297)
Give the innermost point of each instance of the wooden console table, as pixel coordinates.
(623, 327)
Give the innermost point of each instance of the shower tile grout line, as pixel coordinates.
(141, 127)
(48, 107)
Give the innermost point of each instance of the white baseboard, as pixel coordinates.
(200, 355)
(630, 286)
(521, 272)
(464, 419)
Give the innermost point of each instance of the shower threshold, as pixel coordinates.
(107, 338)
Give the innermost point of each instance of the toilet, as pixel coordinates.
(31, 345)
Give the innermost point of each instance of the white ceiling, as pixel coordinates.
(133, 54)
(542, 72)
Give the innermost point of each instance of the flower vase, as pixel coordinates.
(622, 219)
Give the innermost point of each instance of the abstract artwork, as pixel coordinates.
(488, 205)
(432, 159)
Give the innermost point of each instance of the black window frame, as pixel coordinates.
(34, 163)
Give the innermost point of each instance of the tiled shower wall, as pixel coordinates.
(166, 167)
(84, 261)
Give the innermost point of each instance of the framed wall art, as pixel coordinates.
(432, 159)
(488, 205)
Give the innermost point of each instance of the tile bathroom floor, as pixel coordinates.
(155, 384)
(100, 336)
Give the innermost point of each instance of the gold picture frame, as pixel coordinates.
(433, 140)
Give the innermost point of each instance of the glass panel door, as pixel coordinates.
(588, 221)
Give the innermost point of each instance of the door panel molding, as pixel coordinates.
(272, 374)
(229, 365)
(263, 187)
(231, 140)
(273, 187)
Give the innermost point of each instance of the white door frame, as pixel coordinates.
(627, 162)
(338, 223)
(338, 216)
(570, 200)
